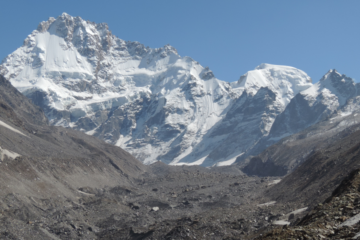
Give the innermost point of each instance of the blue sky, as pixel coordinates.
(230, 37)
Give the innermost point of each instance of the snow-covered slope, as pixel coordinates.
(284, 81)
(266, 91)
(152, 102)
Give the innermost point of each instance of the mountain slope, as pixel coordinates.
(35, 144)
(336, 218)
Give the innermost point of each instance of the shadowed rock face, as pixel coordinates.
(267, 168)
(298, 115)
(248, 121)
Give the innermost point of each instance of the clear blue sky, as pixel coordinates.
(231, 37)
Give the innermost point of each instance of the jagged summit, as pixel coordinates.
(333, 85)
(65, 24)
(72, 44)
(328, 73)
(331, 72)
(337, 80)
(65, 15)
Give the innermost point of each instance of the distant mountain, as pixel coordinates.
(313, 119)
(158, 105)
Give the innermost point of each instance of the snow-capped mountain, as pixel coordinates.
(316, 103)
(335, 96)
(152, 102)
(266, 91)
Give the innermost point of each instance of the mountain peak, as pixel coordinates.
(65, 15)
(334, 84)
(264, 66)
(44, 25)
(334, 77)
(168, 48)
(331, 73)
(286, 81)
(273, 67)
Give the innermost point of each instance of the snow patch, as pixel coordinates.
(198, 162)
(226, 163)
(274, 182)
(281, 222)
(11, 128)
(85, 193)
(351, 221)
(9, 154)
(300, 210)
(267, 204)
(356, 236)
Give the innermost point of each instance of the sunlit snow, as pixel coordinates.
(274, 182)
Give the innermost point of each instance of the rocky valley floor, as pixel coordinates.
(164, 203)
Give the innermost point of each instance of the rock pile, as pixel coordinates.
(337, 218)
